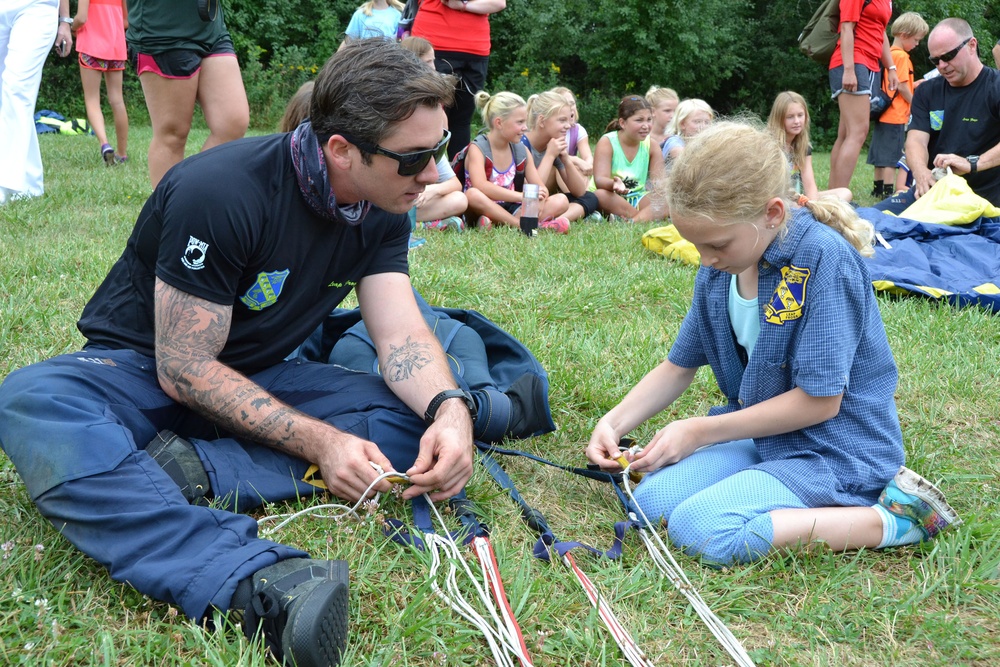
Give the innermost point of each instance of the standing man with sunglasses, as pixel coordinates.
(955, 118)
(238, 255)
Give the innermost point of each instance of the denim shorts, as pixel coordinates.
(867, 81)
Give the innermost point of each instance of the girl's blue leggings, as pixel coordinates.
(714, 506)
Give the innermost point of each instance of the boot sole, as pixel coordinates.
(316, 634)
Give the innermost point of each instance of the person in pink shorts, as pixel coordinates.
(100, 42)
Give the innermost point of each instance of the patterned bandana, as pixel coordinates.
(314, 181)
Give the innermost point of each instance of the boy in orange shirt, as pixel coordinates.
(890, 130)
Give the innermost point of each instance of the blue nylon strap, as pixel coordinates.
(398, 532)
(547, 541)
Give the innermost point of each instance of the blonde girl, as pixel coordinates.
(375, 18)
(664, 102)
(692, 116)
(624, 165)
(789, 124)
(549, 121)
(808, 447)
(577, 140)
(492, 196)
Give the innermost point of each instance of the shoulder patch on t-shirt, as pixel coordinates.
(789, 297)
(266, 290)
(194, 254)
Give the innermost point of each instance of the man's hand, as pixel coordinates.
(444, 463)
(345, 463)
(958, 164)
(64, 40)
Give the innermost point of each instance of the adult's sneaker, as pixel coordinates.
(300, 607)
(911, 496)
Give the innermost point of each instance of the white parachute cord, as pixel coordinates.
(345, 510)
(666, 563)
(622, 637)
(491, 575)
(436, 544)
(499, 629)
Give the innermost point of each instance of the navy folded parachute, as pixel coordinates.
(958, 263)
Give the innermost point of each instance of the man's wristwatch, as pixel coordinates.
(973, 163)
(435, 404)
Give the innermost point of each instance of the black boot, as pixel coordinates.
(878, 188)
(300, 606)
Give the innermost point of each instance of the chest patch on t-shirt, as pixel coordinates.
(937, 120)
(266, 290)
(789, 297)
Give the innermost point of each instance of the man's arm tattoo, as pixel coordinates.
(406, 359)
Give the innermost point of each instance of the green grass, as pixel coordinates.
(599, 311)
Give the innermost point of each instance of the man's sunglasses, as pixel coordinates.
(950, 55)
(410, 164)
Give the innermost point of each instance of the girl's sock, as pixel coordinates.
(897, 530)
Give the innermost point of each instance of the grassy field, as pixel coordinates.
(599, 311)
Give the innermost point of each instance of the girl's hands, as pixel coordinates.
(673, 442)
(603, 447)
(618, 187)
(557, 146)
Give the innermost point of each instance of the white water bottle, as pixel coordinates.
(529, 209)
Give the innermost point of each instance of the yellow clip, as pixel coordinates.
(395, 479)
(633, 475)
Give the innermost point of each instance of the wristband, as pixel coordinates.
(891, 68)
(66, 19)
(432, 407)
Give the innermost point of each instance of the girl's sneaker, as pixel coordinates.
(455, 222)
(559, 225)
(484, 223)
(910, 496)
(121, 159)
(108, 153)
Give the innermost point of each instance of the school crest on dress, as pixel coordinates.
(789, 297)
(266, 290)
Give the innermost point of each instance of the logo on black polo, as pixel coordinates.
(194, 254)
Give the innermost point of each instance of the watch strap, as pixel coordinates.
(435, 404)
(973, 163)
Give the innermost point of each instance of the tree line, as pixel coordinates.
(735, 54)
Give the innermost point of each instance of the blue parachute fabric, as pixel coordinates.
(957, 263)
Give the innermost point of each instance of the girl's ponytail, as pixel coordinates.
(838, 214)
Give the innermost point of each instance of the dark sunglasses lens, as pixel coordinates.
(414, 163)
(949, 56)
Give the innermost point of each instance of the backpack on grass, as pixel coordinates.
(818, 39)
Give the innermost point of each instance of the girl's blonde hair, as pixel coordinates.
(798, 147)
(655, 95)
(418, 46)
(367, 7)
(564, 91)
(685, 109)
(728, 173)
(297, 109)
(496, 106)
(544, 106)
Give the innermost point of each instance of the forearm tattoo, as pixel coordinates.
(190, 333)
(404, 360)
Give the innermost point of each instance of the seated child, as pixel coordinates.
(577, 142)
(624, 165)
(691, 117)
(664, 103)
(789, 124)
(549, 120)
(497, 166)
